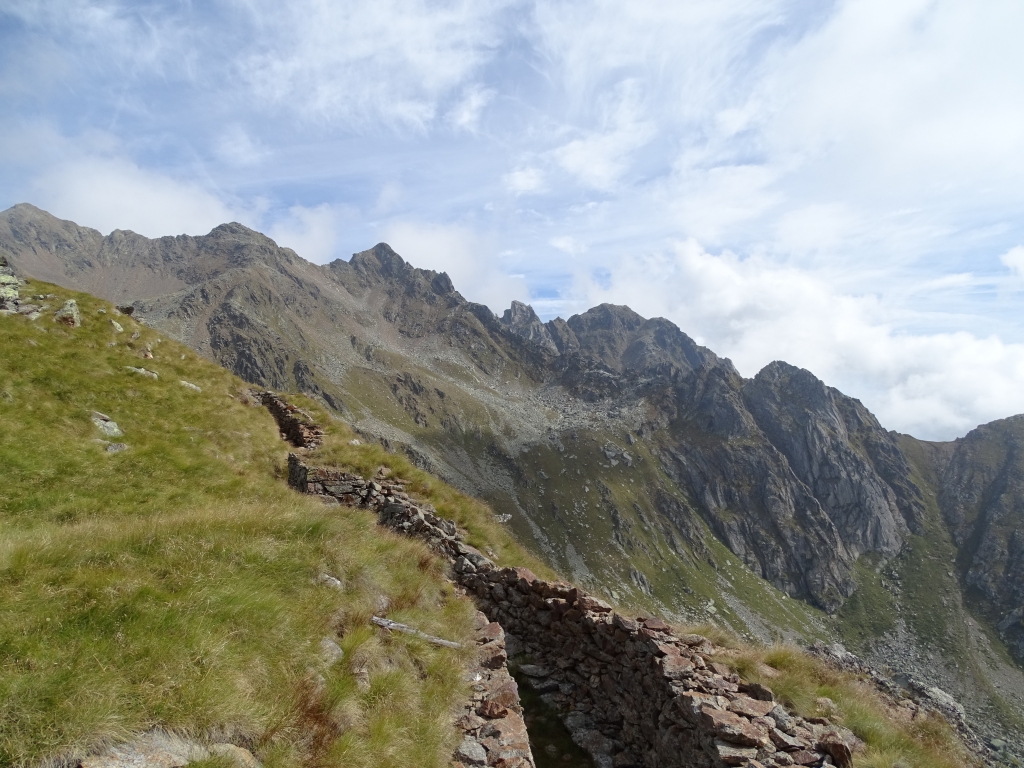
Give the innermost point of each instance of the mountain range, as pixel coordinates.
(635, 461)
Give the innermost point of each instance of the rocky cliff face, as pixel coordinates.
(981, 495)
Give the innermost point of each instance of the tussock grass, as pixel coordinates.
(172, 584)
(813, 688)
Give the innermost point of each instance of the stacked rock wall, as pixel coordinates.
(631, 692)
(297, 426)
(492, 724)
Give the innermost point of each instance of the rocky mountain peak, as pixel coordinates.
(659, 345)
(381, 261)
(234, 230)
(806, 421)
(523, 322)
(604, 332)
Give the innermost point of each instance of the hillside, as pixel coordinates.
(629, 458)
(156, 570)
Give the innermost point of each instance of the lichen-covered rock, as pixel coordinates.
(69, 314)
(106, 425)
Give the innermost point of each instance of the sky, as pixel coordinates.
(835, 184)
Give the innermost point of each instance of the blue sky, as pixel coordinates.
(839, 185)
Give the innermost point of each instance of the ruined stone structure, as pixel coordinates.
(297, 426)
(631, 692)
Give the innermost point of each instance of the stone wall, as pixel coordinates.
(631, 692)
(494, 731)
(297, 426)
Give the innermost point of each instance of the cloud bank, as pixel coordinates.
(834, 184)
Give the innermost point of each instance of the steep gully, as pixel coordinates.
(631, 691)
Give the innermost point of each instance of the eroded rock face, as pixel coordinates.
(981, 493)
(825, 437)
(524, 323)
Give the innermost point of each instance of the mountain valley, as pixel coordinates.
(630, 459)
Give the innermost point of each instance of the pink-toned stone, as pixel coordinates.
(653, 622)
(804, 757)
(748, 707)
(730, 754)
(732, 728)
(675, 666)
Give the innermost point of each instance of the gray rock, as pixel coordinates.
(116, 325)
(783, 719)
(331, 651)
(142, 372)
(240, 756)
(471, 752)
(329, 581)
(69, 314)
(189, 385)
(107, 426)
(117, 447)
(155, 749)
(542, 684)
(595, 743)
(578, 721)
(523, 322)
(533, 670)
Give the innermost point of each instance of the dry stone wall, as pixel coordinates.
(297, 426)
(631, 692)
(494, 731)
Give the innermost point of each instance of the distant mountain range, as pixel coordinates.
(636, 461)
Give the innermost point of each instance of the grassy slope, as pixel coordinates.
(172, 584)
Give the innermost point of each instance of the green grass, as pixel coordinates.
(871, 611)
(172, 584)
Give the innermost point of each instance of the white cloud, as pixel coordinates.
(109, 193)
(816, 227)
(311, 232)
(569, 245)
(710, 203)
(385, 62)
(524, 180)
(466, 114)
(237, 148)
(388, 198)
(600, 158)
(1014, 259)
(471, 261)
